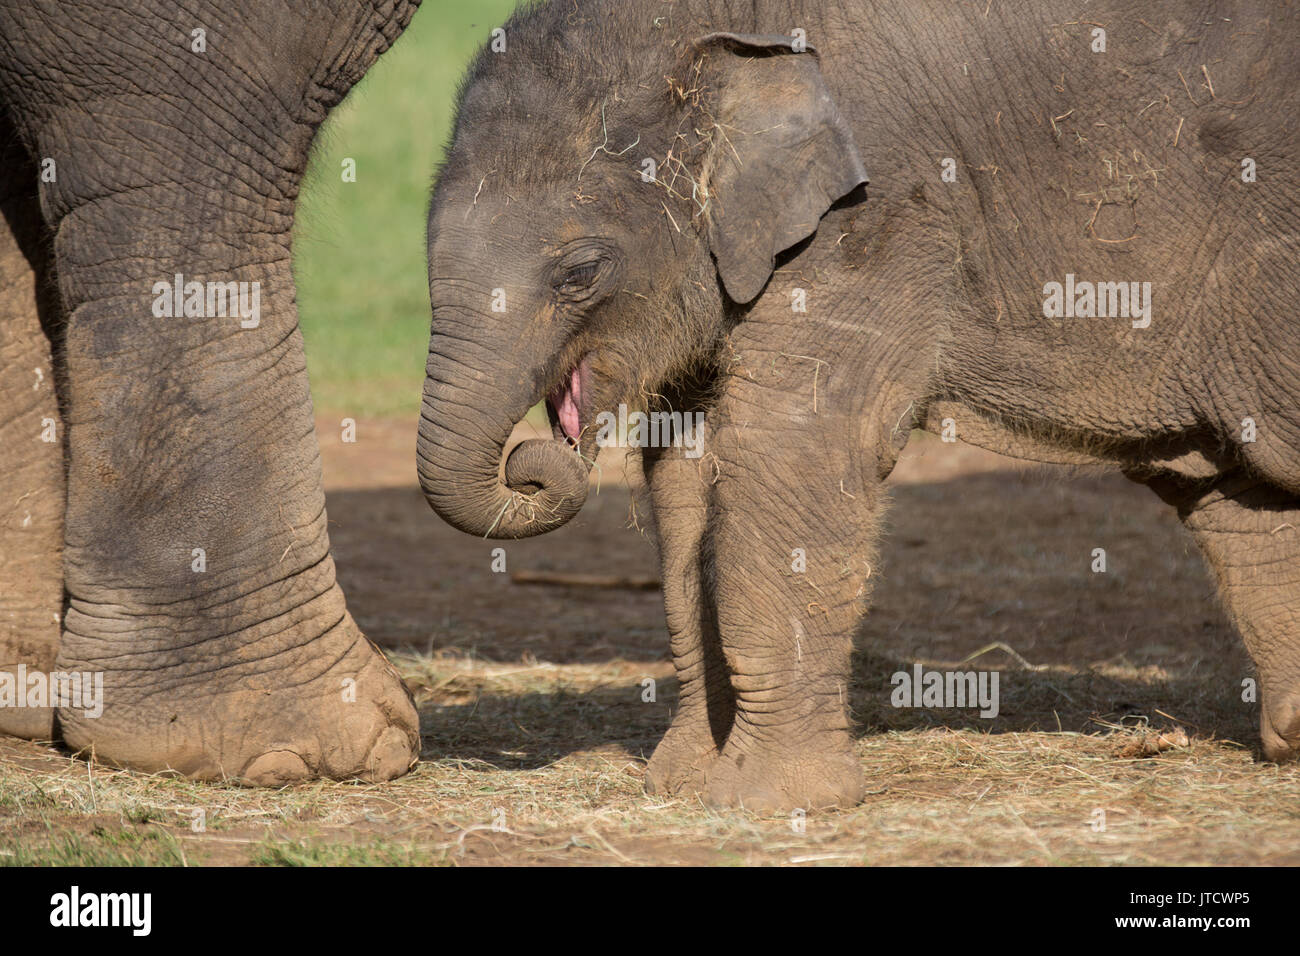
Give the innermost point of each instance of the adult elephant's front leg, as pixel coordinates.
(200, 588)
(792, 538)
(196, 559)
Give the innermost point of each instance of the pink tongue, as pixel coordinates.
(566, 400)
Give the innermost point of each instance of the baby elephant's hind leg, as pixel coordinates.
(1250, 533)
(706, 706)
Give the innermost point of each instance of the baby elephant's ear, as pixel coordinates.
(781, 154)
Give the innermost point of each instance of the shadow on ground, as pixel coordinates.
(986, 564)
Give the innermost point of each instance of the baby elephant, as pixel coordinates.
(1079, 243)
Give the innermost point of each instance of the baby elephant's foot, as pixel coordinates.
(332, 708)
(680, 764)
(763, 779)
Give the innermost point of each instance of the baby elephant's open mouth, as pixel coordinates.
(564, 405)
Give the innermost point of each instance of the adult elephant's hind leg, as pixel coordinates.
(1250, 533)
(705, 706)
(31, 467)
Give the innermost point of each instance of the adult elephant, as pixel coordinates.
(162, 517)
(1079, 242)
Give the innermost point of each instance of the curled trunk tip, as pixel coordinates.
(545, 485)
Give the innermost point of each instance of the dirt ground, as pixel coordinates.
(536, 734)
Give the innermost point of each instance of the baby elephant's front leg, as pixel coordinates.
(792, 533)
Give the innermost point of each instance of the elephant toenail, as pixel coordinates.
(391, 756)
(275, 769)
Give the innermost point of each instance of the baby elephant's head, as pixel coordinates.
(612, 198)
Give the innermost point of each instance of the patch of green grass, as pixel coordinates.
(102, 846)
(359, 247)
(299, 853)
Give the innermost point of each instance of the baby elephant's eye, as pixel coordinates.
(580, 277)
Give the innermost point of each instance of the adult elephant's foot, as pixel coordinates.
(1279, 727)
(333, 707)
(753, 776)
(681, 763)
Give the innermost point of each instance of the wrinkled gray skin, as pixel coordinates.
(924, 302)
(175, 433)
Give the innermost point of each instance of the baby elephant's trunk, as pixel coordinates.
(459, 459)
